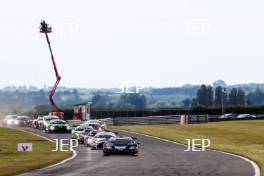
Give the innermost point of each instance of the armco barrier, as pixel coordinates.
(152, 120)
(192, 119)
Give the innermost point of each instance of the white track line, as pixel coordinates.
(255, 166)
(63, 161)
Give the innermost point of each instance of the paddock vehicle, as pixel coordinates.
(22, 121)
(9, 120)
(126, 145)
(39, 122)
(107, 121)
(57, 125)
(35, 123)
(94, 121)
(99, 139)
(91, 134)
(75, 132)
(74, 123)
(84, 134)
(47, 119)
(246, 116)
(101, 123)
(95, 126)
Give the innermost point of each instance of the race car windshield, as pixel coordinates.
(49, 119)
(95, 126)
(105, 136)
(79, 129)
(12, 117)
(121, 141)
(22, 118)
(58, 122)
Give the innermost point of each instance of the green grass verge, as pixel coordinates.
(245, 138)
(13, 162)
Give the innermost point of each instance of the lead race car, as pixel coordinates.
(127, 145)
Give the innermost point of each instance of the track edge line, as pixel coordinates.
(253, 164)
(53, 165)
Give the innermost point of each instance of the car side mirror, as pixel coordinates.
(138, 143)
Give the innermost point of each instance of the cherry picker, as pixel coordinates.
(45, 28)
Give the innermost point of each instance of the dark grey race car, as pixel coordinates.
(126, 145)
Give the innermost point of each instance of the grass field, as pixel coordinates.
(245, 138)
(13, 162)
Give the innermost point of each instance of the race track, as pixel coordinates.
(156, 158)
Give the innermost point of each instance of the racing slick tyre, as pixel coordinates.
(93, 148)
(134, 154)
(106, 154)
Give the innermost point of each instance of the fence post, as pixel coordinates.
(184, 120)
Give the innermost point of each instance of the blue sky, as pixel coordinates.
(155, 43)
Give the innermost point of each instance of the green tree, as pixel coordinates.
(76, 94)
(194, 102)
(237, 97)
(187, 102)
(233, 96)
(256, 98)
(205, 95)
(218, 96)
(241, 97)
(202, 95)
(210, 96)
(99, 101)
(135, 99)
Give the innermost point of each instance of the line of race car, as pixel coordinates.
(90, 133)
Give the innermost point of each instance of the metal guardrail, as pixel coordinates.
(192, 119)
(173, 119)
(153, 120)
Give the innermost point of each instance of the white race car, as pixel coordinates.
(99, 139)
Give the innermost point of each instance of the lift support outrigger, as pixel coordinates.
(45, 28)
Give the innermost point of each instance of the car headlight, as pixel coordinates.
(9, 122)
(52, 128)
(68, 128)
(97, 141)
(16, 122)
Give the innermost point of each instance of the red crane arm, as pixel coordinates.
(44, 28)
(52, 57)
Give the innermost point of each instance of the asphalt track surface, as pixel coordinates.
(156, 158)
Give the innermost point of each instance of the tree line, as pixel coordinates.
(125, 101)
(207, 96)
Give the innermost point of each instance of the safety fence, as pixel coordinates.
(172, 119)
(154, 120)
